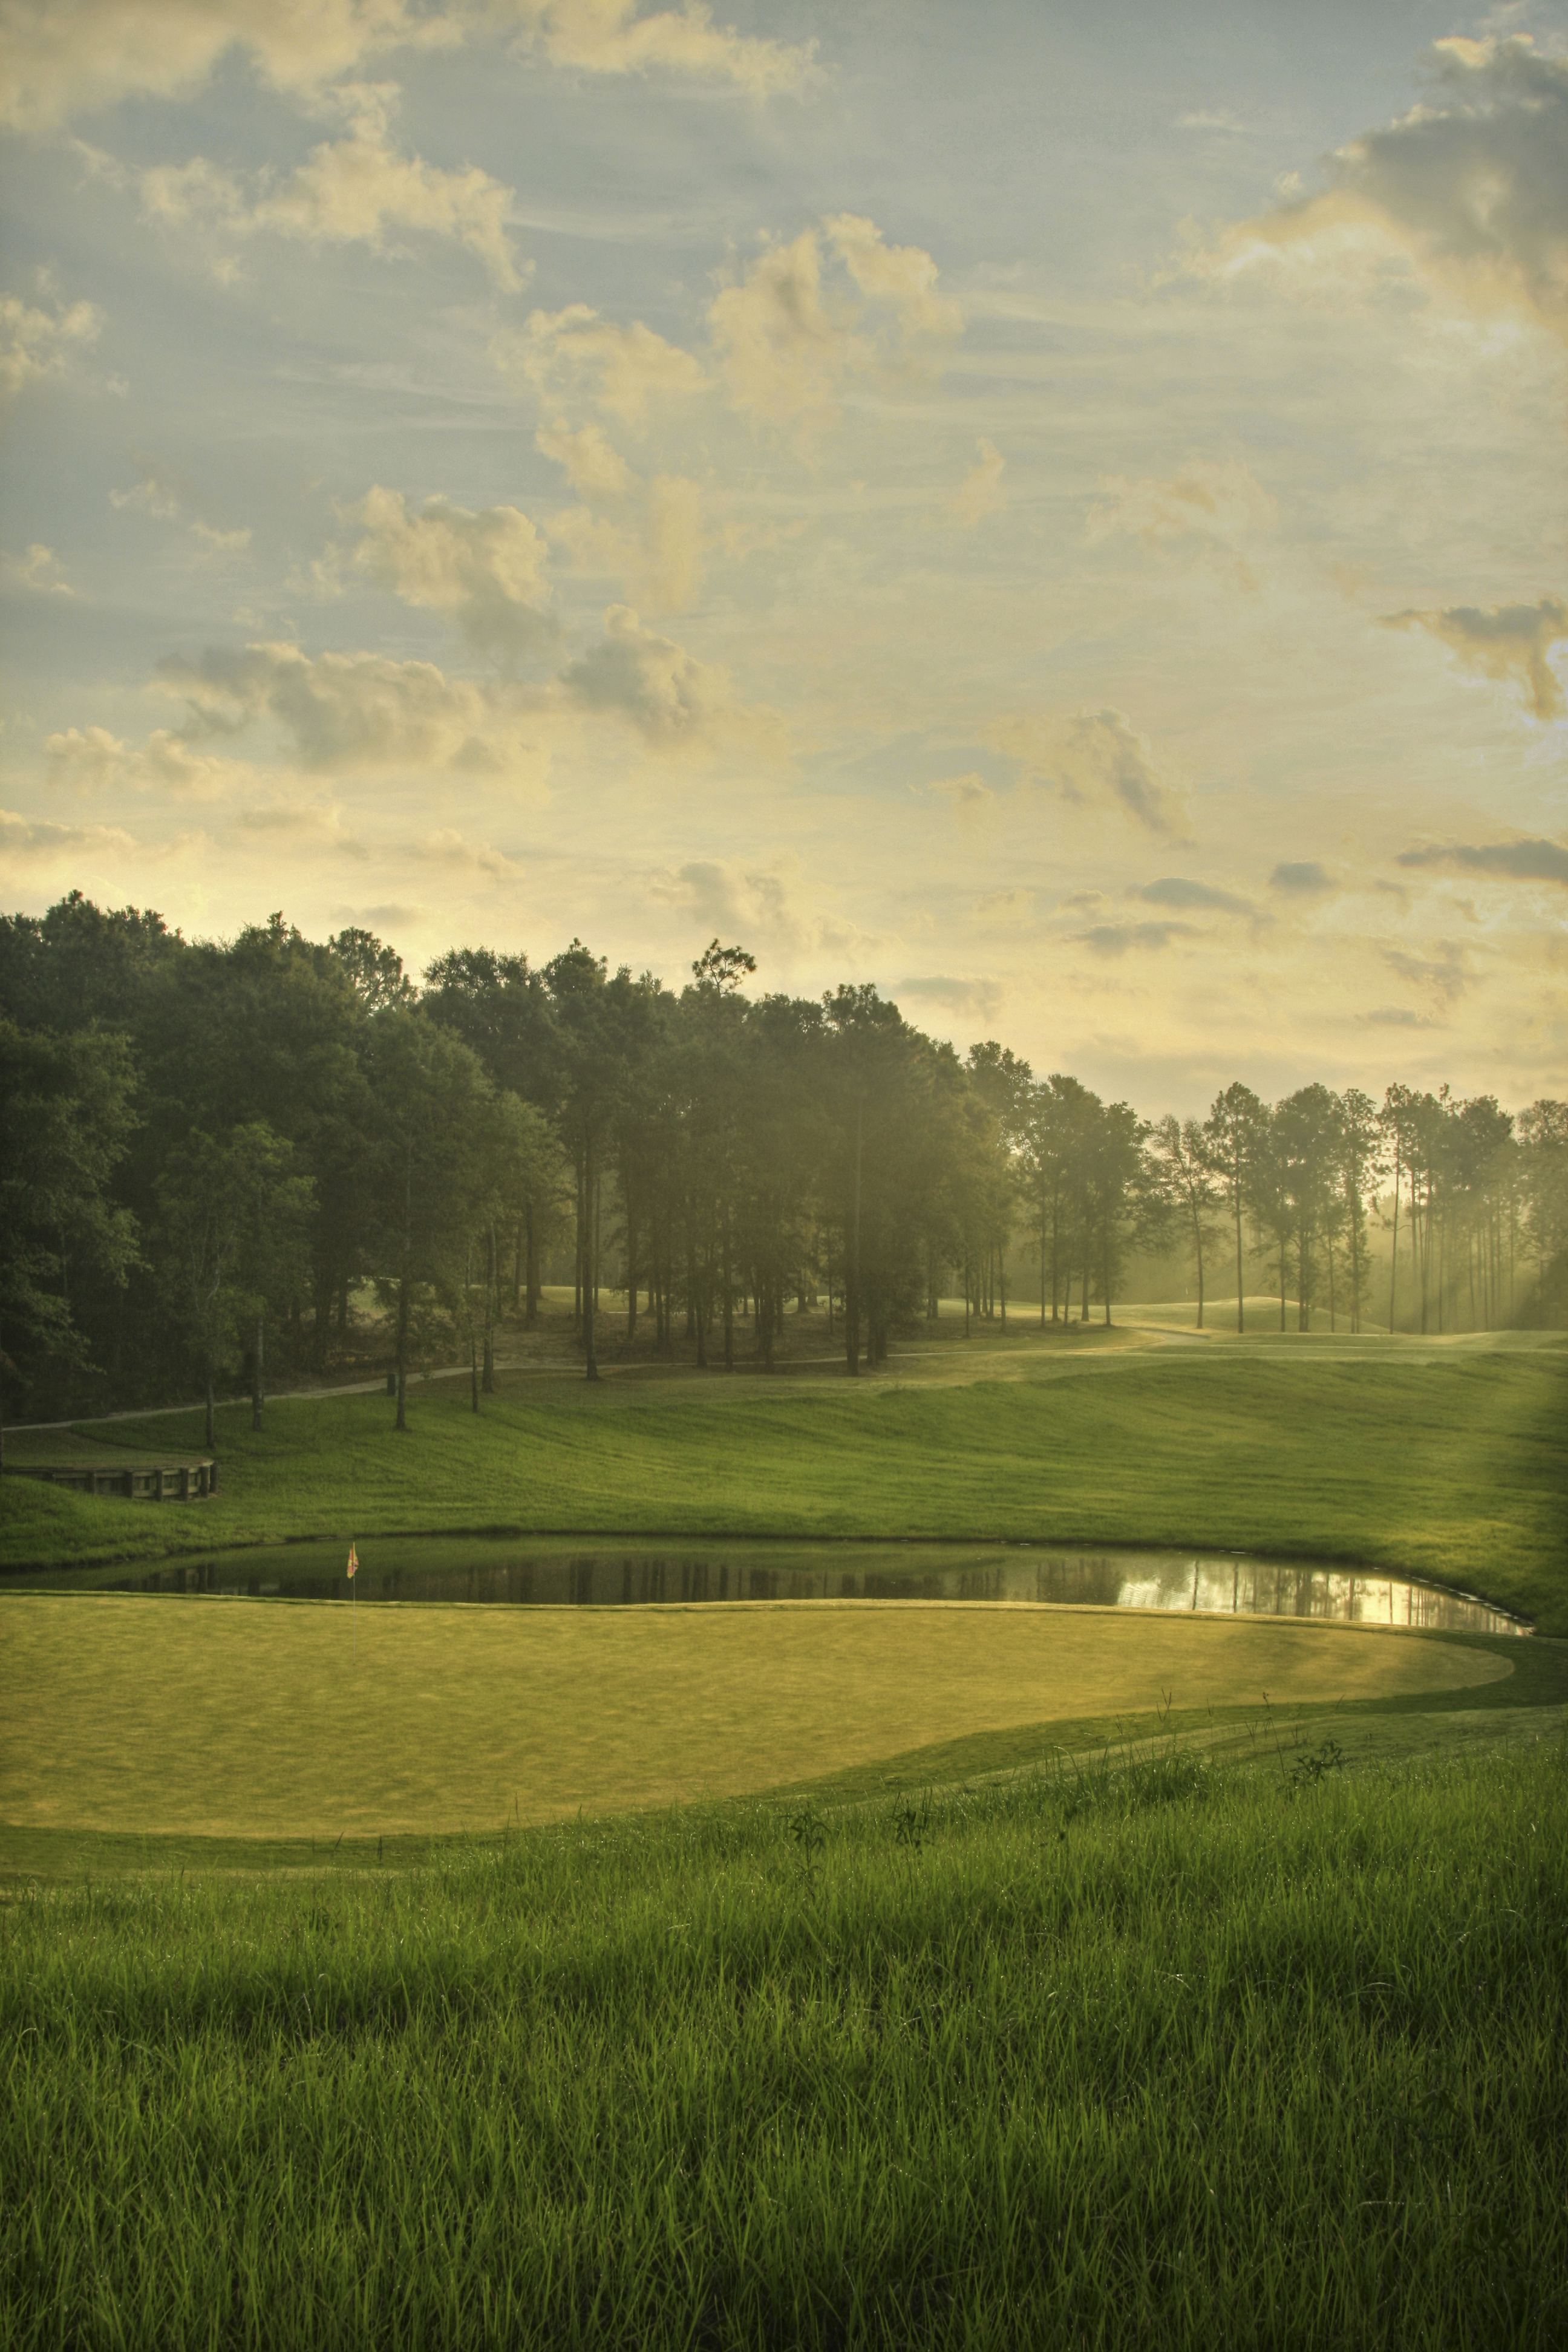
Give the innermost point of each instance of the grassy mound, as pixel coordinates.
(1170, 2055)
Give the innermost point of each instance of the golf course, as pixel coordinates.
(872, 1971)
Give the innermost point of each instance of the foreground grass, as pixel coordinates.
(1165, 2055)
(163, 1715)
(1448, 1465)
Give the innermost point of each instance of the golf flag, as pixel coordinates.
(354, 1559)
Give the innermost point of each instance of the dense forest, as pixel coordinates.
(217, 1155)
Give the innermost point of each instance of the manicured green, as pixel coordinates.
(276, 1720)
(1450, 1463)
(1171, 2055)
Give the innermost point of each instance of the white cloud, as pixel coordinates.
(1096, 758)
(761, 907)
(63, 57)
(1510, 642)
(609, 37)
(357, 190)
(651, 540)
(306, 819)
(26, 841)
(161, 492)
(902, 276)
(356, 711)
(487, 570)
(35, 343)
(1471, 188)
(593, 466)
(575, 352)
(981, 492)
(970, 797)
(809, 315)
(669, 696)
(38, 570)
(447, 847)
(1222, 501)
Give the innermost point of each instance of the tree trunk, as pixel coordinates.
(403, 1352)
(852, 1307)
(1240, 1286)
(256, 1398)
(589, 1271)
(492, 1277)
(729, 1299)
(473, 1371)
(211, 1440)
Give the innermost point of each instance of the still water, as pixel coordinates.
(604, 1572)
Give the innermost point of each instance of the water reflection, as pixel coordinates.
(607, 1575)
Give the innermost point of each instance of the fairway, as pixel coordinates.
(258, 1720)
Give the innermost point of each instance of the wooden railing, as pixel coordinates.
(164, 1482)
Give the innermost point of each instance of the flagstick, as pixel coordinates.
(353, 1622)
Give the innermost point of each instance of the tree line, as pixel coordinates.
(208, 1150)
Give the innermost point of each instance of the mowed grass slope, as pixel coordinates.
(1449, 1465)
(282, 1720)
(1166, 2058)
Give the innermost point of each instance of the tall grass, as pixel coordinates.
(1165, 2055)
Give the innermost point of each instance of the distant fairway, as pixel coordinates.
(244, 1719)
(1442, 1459)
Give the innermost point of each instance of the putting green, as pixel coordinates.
(257, 1719)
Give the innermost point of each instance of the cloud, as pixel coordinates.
(357, 190)
(981, 1000)
(159, 491)
(1095, 758)
(1116, 938)
(342, 711)
(1396, 1016)
(809, 315)
(980, 493)
(1303, 878)
(759, 907)
(37, 570)
(1177, 891)
(310, 820)
(574, 352)
(446, 847)
(1206, 500)
(666, 693)
(1444, 974)
(1469, 188)
(1011, 906)
(487, 569)
(1510, 642)
(652, 539)
(970, 797)
(64, 57)
(35, 344)
(1521, 861)
(24, 840)
(902, 276)
(609, 37)
(591, 463)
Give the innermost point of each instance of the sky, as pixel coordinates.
(1061, 513)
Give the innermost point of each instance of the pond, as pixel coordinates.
(598, 1572)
